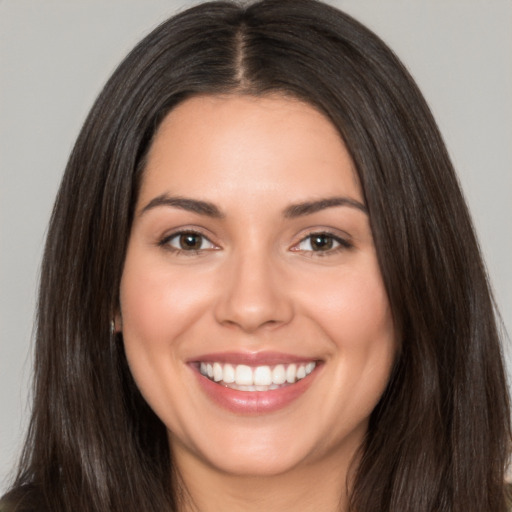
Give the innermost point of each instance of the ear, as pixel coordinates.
(118, 322)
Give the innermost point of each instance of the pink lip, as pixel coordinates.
(253, 402)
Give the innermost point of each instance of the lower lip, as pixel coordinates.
(254, 402)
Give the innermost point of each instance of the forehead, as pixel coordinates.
(248, 144)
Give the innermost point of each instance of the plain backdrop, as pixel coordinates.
(55, 55)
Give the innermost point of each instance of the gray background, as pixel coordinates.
(56, 54)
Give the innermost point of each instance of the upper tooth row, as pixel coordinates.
(244, 375)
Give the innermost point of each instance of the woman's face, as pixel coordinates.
(251, 260)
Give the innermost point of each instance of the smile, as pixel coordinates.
(242, 377)
(258, 383)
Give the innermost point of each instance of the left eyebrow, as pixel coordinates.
(184, 203)
(309, 207)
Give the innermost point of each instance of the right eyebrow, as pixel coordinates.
(310, 207)
(184, 203)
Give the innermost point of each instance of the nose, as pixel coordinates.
(253, 295)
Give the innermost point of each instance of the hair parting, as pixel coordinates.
(439, 437)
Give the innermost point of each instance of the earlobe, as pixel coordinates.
(116, 324)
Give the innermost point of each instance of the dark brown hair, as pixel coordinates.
(439, 438)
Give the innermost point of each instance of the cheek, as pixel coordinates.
(158, 308)
(352, 308)
(354, 314)
(158, 304)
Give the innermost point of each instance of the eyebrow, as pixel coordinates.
(309, 207)
(210, 210)
(185, 203)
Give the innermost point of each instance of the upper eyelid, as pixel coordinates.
(187, 232)
(336, 234)
(165, 240)
(341, 237)
(343, 242)
(180, 231)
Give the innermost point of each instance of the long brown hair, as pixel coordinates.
(439, 438)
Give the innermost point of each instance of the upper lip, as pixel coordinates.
(251, 358)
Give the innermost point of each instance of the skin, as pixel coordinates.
(255, 285)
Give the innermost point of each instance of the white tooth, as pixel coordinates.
(262, 376)
(217, 372)
(261, 388)
(228, 374)
(310, 367)
(279, 374)
(209, 370)
(301, 372)
(291, 373)
(202, 368)
(243, 375)
(245, 388)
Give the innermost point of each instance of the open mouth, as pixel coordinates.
(242, 377)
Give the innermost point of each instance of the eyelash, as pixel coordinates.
(165, 242)
(343, 244)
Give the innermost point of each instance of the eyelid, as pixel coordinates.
(344, 242)
(164, 240)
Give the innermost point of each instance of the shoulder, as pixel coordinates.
(22, 499)
(508, 494)
(11, 505)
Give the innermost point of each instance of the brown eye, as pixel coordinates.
(321, 242)
(188, 241)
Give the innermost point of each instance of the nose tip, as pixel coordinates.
(253, 297)
(250, 321)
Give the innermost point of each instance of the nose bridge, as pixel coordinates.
(252, 294)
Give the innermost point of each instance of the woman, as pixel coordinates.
(261, 287)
